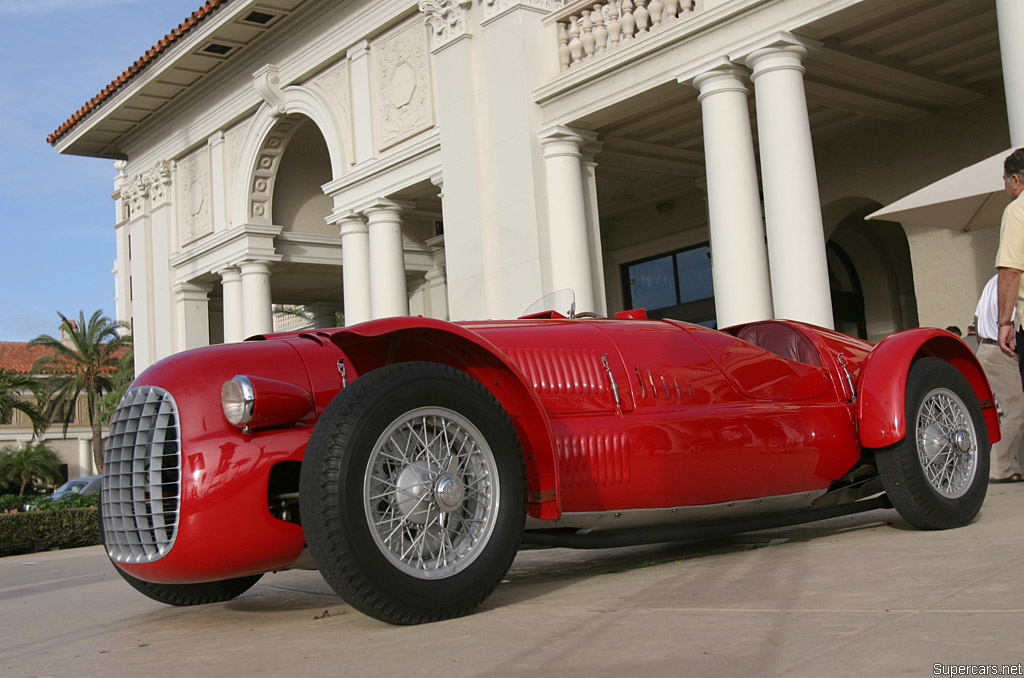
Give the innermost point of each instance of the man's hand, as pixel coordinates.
(1008, 341)
(1008, 289)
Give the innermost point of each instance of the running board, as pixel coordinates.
(574, 540)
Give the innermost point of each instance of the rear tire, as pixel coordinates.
(937, 476)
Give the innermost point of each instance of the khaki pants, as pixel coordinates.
(1004, 377)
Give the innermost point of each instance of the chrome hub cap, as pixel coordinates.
(431, 493)
(947, 443)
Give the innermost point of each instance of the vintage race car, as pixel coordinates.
(408, 459)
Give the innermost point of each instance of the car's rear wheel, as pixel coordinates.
(937, 475)
(413, 493)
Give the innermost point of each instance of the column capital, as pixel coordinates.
(721, 68)
(562, 140)
(254, 266)
(359, 50)
(781, 50)
(386, 206)
(189, 290)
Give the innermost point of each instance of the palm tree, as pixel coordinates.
(84, 363)
(12, 386)
(28, 465)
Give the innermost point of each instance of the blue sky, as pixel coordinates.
(56, 215)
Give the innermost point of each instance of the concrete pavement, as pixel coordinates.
(855, 596)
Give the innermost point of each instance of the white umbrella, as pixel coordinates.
(967, 200)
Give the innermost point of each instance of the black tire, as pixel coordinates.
(183, 595)
(937, 476)
(413, 493)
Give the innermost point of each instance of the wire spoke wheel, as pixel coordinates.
(947, 443)
(430, 492)
(937, 475)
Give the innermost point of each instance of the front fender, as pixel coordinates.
(382, 342)
(881, 404)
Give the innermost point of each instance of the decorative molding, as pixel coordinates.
(148, 189)
(493, 8)
(333, 85)
(194, 193)
(447, 19)
(402, 86)
(267, 81)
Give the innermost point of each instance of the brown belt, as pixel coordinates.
(983, 340)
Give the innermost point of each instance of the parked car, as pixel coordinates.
(409, 458)
(84, 485)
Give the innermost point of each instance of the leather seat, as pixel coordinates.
(782, 340)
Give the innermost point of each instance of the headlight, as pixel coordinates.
(256, 402)
(238, 398)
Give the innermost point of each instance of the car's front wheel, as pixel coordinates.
(413, 493)
(937, 475)
(192, 594)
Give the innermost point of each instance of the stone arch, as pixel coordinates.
(878, 253)
(272, 126)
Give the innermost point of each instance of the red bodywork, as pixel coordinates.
(696, 417)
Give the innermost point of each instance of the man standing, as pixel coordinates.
(1010, 258)
(1004, 377)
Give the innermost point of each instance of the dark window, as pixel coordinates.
(673, 285)
(7, 418)
(61, 412)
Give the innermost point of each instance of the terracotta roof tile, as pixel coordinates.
(140, 63)
(18, 356)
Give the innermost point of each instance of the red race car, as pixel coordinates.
(408, 458)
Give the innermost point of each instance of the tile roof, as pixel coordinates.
(18, 356)
(155, 51)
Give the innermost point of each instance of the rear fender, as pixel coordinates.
(368, 346)
(881, 404)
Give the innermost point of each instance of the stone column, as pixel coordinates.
(796, 238)
(355, 268)
(388, 296)
(362, 108)
(193, 305)
(1010, 17)
(231, 282)
(567, 212)
(86, 467)
(257, 317)
(594, 226)
(739, 256)
(323, 315)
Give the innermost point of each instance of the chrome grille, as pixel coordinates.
(142, 477)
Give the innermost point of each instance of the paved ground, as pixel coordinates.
(857, 596)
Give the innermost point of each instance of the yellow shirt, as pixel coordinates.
(1011, 247)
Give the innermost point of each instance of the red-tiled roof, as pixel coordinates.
(18, 356)
(143, 61)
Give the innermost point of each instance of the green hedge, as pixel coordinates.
(31, 531)
(14, 502)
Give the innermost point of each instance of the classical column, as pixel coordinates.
(355, 268)
(567, 212)
(257, 316)
(594, 226)
(86, 467)
(1010, 18)
(193, 305)
(739, 257)
(362, 107)
(796, 239)
(323, 315)
(231, 283)
(388, 296)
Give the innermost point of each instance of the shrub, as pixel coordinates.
(67, 501)
(14, 502)
(30, 531)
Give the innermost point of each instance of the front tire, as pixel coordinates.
(937, 476)
(192, 594)
(413, 493)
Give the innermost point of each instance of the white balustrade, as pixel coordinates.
(587, 29)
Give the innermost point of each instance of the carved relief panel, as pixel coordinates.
(403, 98)
(193, 197)
(332, 84)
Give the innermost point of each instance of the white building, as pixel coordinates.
(307, 152)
